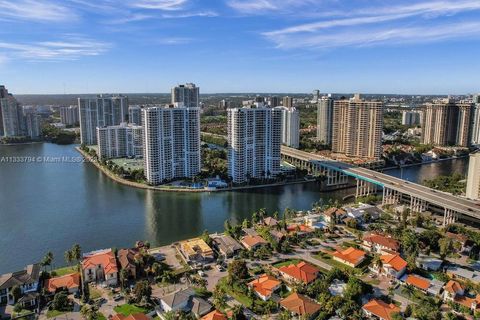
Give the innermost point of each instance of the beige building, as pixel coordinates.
(473, 178)
(446, 122)
(357, 128)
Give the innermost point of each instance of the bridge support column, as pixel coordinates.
(390, 196)
(336, 178)
(364, 188)
(449, 217)
(417, 205)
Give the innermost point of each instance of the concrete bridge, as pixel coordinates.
(395, 190)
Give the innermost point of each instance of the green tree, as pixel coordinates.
(237, 271)
(219, 298)
(60, 301)
(16, 293)
(68, 255)
(445, 247)
(142, 291)
(47, 260)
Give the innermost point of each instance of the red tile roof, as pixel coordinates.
(352, 255)
(453, 286)
(106, 258)
(136, 316)
(214, 315)
(301, 228)
(418, 282)
(395, 261)
(69, 281)
(302, 271)
(300, 305)
(381, 309)
(252, 241)
(384, 241)
(265, 285)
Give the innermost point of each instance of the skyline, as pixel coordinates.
(289, 46)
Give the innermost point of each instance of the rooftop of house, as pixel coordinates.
(252, 241)
(381, 309)
(29, 275)
(464, 273)
(334, 211)
(417, 281)
(69, 281)
(126, 257)
(105, 258)
(454, 287)
(265, 285)
(395, 261)
(384, 241)
(350, 255)
(214, 315)
(299, 227)
(135, 316)
(195, 245)
(226, 243)
(301, 271)
(300, 304)
(270, 221)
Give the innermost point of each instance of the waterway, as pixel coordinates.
(54, 200)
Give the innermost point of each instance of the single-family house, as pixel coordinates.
(214, 315)
(100, 266)
(378, 309)
(277, 235)
(126, 258)
(299, 229)
(270, 222)
(427, 286)
(461, 242)
(351, 257)
(69, 282)
(253, 242)
(393, 265)
(452, 290)
(380, 244)
(301, 272)
(457, 272)
(250, 232)
(196, 250)
(300, 306)
(27, 280)
(185, 300)
(135, 316)
(334, 213)
(264, 286)
(226, 245)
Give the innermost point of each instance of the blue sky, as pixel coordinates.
(370, 46)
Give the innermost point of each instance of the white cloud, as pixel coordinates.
(173, 41)
(35, 10)
(71, 48)
(169, 5)
(257, 7)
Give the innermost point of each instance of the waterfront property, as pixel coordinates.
(301, 306)
(100, 266)
(196, 250)
(69, 282)
(27, 280)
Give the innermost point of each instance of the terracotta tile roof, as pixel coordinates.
(214, 315)
(136, 316)
(381, 309)
(269, 221)
(453, 286)
(252, 241)
(265, 285)
(418, 282)
(300, 304)
(458, 237)
(302, 271)
(337, 211)
(384, 241)
(69, 281)
(350, 254)
(467, 301)
(126, 257)
(301, 228)
(106, 258)
(395, 261)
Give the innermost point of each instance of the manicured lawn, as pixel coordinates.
(128, 309)
(54, 313)
(94, 293)
(236, 293)
(328, 259)
(287, 262)
(65, 270)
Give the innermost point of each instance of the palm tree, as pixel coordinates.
(47, 260)
(68, 257)
(76, 253)
(378, 263)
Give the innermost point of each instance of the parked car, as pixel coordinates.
(117, 297)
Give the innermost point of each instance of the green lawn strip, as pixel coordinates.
(128, 309)
(236, 293)
(65, 270)
(54, 313)
(286, 263)
(328, 260)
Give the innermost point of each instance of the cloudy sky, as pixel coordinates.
(370, 46)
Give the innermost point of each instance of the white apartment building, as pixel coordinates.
(135, 115)
(120, 141)
(325, 119)
(11, 115)
(188, 94)
(171, 142)
(102, 111)
(473, 178)
(254, 141)
(69, 115)
(411, 118)
(291, 127)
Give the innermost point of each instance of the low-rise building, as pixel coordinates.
(226, 245)
(253, 242)
(301, 272)
(186, 301)
(381, 244)
(270, 222)
(334, 213)
(69, 282)
(300, 306)
(264, 286)
(127, 260)
(351, 257)
(427, 286)
(452, 290)
(393, 265)
(196, 250)
(378, 309)
(457, 272)
(100, 266)
(27, 280)
(214, 315)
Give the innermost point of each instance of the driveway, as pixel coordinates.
(169, 254)
(213, 276)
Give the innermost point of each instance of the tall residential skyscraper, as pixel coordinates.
(475, 134)
(411, 118)
(135, 115)
(254, 141)
(274, 101)
(446, 122)
(120, 141)
(358, 128)
(325, 119)
(188, 94)
(69, 115)
(290, 127)
(316, 96)
(32, 124)
(287, 102)
(12, 122)
(102, 111)
(171, 142)
(473, 178)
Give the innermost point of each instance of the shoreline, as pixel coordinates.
(20, 143)
(138, 185)
(422, 163)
